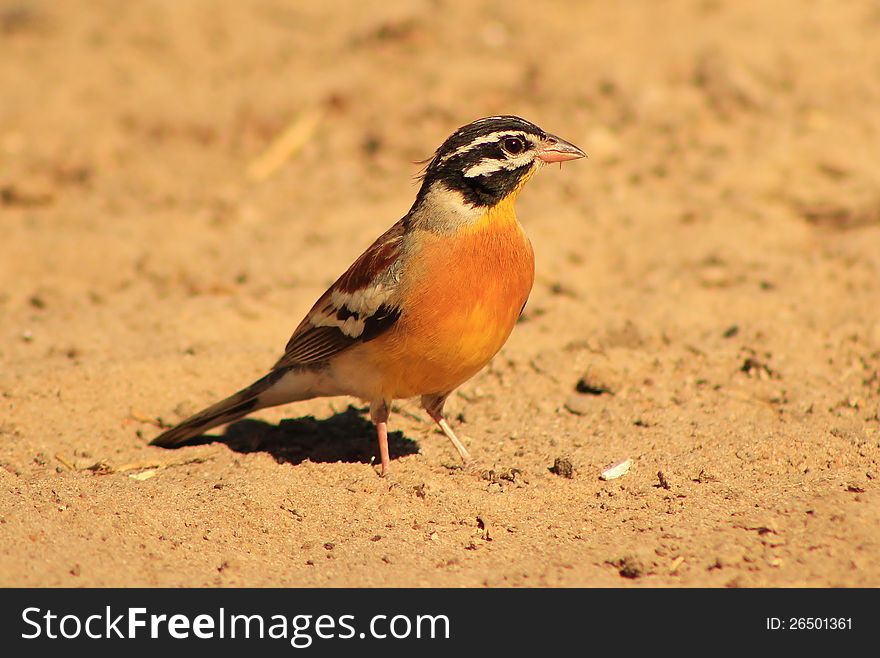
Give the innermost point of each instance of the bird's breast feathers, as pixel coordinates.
(463, 297)
(420, 311)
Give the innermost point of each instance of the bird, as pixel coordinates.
(429, 303)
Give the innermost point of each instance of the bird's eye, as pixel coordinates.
(513, 145)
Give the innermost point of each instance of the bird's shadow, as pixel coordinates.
(347, 436)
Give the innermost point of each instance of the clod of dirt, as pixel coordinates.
(597, 381)
(562, 467)
(630, 566)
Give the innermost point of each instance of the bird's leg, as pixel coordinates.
(379, 415)
(433, 404)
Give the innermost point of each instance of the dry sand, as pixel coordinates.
(714, 266)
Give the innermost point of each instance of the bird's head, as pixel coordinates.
(488, 159)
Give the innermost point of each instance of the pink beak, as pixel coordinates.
(555, 149)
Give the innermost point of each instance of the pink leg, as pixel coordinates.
(433, 404)
(382, 429)
(379, 414)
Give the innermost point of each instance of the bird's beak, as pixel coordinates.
(555, 149)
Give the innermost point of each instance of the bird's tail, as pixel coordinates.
(232, 408)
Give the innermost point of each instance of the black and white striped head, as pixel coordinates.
(486, 160)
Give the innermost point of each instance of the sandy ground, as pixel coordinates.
(711, 276)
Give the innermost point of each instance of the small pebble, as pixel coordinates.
(562, 467)
(598, 380)
(617, 470)
(144, 475)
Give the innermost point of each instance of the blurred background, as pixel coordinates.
(180, 180)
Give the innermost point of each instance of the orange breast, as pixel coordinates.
(463, 299)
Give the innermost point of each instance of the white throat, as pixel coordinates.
(443, 210)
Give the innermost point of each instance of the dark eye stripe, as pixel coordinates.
(484, 160)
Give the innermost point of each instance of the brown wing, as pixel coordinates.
(357, 308)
